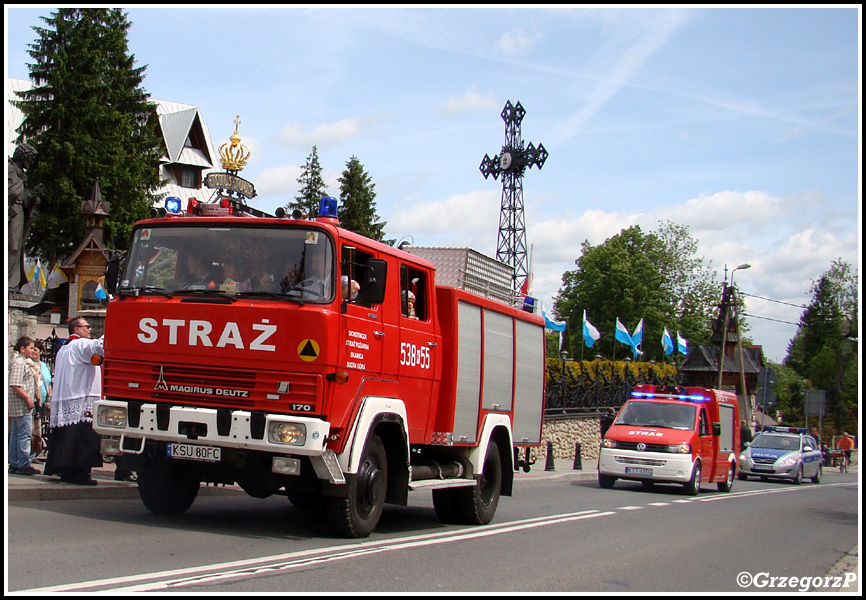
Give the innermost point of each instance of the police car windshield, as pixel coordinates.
(776, 442)
(658, 414)
(270, 262)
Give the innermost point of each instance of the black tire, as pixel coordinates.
(476, 505)
(606, 481)
(818, 474)
(799, 478)
(693, 487)
(728, 483)
(166, 488)
(742, 477)
(358, 514)
(445, 505)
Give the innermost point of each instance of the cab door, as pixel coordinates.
(419, 366)
(707, 446)
(363, 322)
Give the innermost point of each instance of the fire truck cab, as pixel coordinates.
(287, 356)
(666, 434)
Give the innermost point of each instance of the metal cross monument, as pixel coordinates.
(511, 162)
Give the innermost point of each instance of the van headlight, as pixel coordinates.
(293, 434)
(111, 416)
(680, 448)
(606, 443)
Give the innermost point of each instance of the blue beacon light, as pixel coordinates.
(173, 205)
(328, 207)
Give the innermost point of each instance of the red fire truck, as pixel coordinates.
(294, 357)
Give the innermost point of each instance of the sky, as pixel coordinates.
(741, 123)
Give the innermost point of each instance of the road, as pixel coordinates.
(557, 534)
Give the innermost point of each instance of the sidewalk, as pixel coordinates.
(29, 488)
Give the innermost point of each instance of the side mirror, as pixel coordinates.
(373, 290)
(112, 272)
(746, 445)
(717, 429)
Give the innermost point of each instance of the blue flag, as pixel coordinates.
(622, 334)
(100, 292)
(555, 326)
(637, 337)
(667, 342)
(590, 333)
(682, 344)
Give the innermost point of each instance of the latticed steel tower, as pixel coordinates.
(511, 162)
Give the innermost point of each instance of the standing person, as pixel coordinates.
(22, 400)
(73, 447)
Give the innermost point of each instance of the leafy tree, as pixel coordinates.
(824, 350)
(88, 117)
(312, 187)
(357, 210)
(633, 276)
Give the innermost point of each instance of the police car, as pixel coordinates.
(782, 453)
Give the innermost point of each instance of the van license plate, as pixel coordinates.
(193, 452)
(638, 471)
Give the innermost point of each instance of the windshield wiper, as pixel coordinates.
(276, 295)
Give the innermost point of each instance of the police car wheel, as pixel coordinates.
(799, 478)
(818, 473)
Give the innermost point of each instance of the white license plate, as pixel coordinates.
(767, 468)
(193, 452)
(638, 471)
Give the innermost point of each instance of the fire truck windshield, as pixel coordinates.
(294, 263)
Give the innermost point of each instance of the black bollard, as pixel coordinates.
(549, 466)
(577, 463)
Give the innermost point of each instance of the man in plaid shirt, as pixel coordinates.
(22, 397)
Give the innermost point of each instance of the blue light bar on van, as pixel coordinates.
(172, 205)
(672, 396)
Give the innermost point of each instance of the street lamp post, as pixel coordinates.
(726, 296)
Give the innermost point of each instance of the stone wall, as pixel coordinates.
(20, 324)
(565, 433)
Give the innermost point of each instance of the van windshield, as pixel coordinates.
(228, 259)
(658, 414)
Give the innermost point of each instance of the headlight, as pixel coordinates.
(294, 434)
(743, 456)
(111, 416)
(680, 449)
(788, 460)
(606, 443)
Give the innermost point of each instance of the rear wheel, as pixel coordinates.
(727, 484)
(358, 514)
(693, 487)
(476, 505)
(166, 488)
(818, 474)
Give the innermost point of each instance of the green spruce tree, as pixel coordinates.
(89, 118)
(357, 210)
(312, 187)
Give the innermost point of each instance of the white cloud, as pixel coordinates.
(460, 220)
(470, 101)
(517, 42)
(295, 136)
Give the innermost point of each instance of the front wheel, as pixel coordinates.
(358, 514)
(606, 481)
(693, 487)
(799, 477)
(165, 487)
